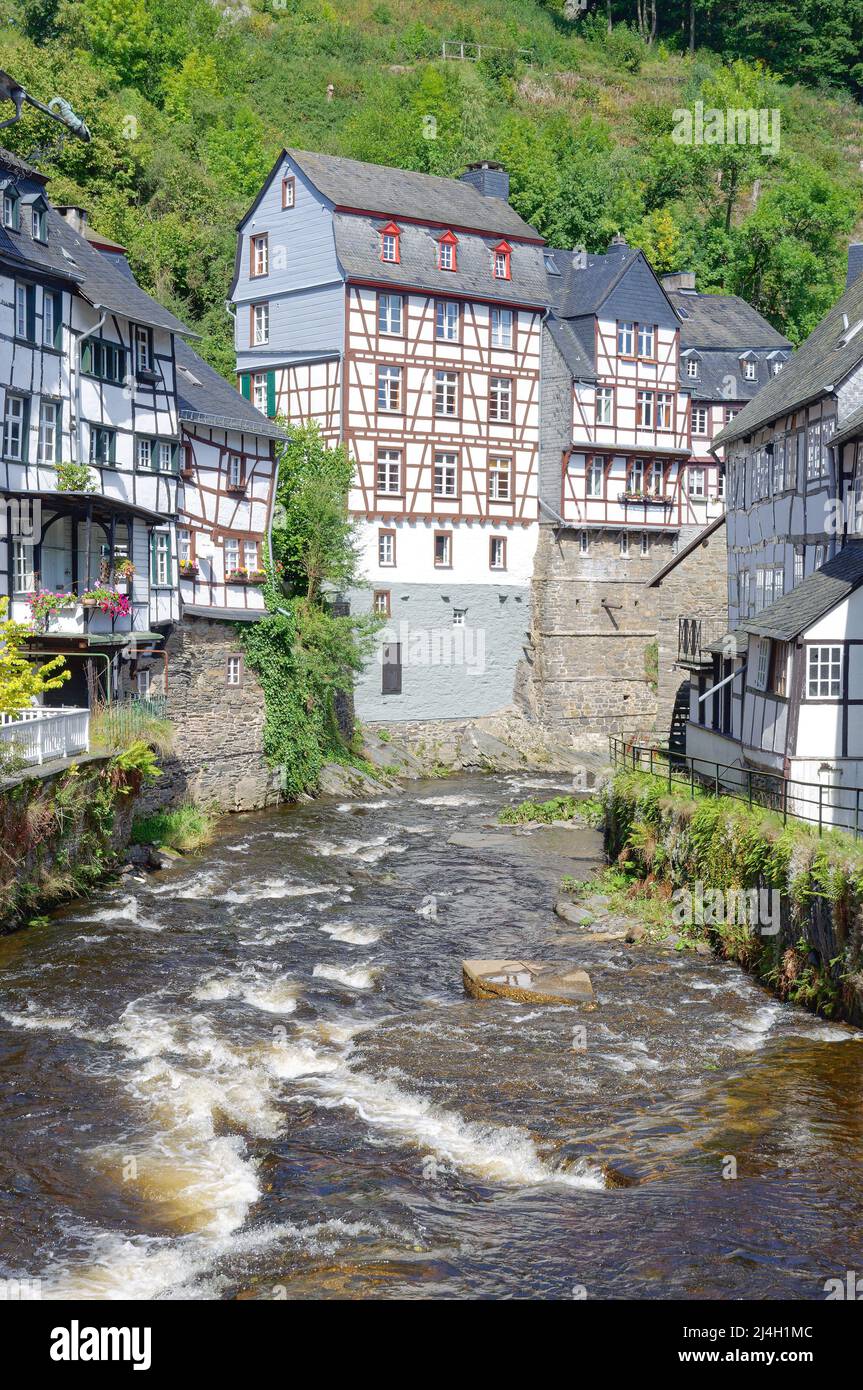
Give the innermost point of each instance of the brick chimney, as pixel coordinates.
(680, 280)
(76, 217)
(488, 178)
(855, 262)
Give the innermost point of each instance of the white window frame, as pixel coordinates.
(23, 572)
(389, 472)
(604, 405)
(162, 559)
(142, 347)
(700, 419)
(647, 341)
(261, 323)
(497, 563)
(446, 394)
(446, 474)
(49, 416)
(500, 395)
(386, 550)
(390, 314)
(596, 476)
(692, 367)
(389, 389)
(646, 405)
(824, 669)
(446, 321)
(260, 255)
(234, 671)
(446, 561)
(501, 327)
(625, 339)
(232, 555)
(499, 473)
(14, 427)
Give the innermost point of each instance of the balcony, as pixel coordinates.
(695, 636)
(36, 736)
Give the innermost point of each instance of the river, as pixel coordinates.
(256, 1075)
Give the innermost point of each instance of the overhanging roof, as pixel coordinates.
(812, 599)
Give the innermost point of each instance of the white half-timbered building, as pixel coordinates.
(403, 312)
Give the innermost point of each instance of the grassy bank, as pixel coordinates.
(186, 828)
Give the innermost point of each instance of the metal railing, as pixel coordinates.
(473, 52)
(695, 635)
(828, 806)
(36, 736)
(122, 722)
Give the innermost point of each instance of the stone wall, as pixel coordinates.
(587, 671)
(697, 587)
(218, 756)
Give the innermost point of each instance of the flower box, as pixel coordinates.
(188, 569)
(236, 489)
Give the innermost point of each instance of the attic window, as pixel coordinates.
(11, 203)
(39, 215)
(446, 252)
(551, 264)
(748, 369)
(692, 366)
(502, 261)
(188, 375)
(390, 244)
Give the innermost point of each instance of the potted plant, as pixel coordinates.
(75, 477)
(238, 576)
(256, 577)
(188, 569)
(45, 605)
(109, 601)
(124, 573)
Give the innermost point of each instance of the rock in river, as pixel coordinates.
(528, 981)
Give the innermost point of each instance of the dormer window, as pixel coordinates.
(390, 252)
(692, 366)
(11, 203)
(502, 261)
(39, 222)
(446, 252)
(748, 369)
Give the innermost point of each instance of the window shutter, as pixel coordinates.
(58, 320)
(271, 394)
(246, 385)
(31, 313)
(152, 557)
(112, 447)
(25, 432)
(87, 357)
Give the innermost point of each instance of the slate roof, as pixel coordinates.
(722, 321)
(825, 359)
(851, 428)
(576, 293)
(215, 401)
(358, 249)
(377, 188)
(572, 347)
(70, 256)
(812, 599)
(717, 369)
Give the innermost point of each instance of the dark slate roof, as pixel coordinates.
(215, 401)
(720, 375)
(16, 165)
(576, 353)
(820, 363)
(575, 293)
(377, 188)
(810, 600)
(224, 615)
(722, 321)
(852, 427)
(358, 249)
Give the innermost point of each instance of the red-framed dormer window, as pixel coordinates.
(390, 250)
(502, 261)
(446, 252)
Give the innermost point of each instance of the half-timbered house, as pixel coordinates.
(403, 311)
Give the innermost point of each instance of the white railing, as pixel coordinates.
(39, 735)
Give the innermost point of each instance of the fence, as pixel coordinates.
(36, 736)
(826, 805)
(121, 723)
(473, 52)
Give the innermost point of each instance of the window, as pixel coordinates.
(499, 480)
(234, 671)
(142, 684)
(232, 555)
(501, 328)
(697, 482)
(390, 472)
(819, 557)
(386, 548)
(497, 553)
(645, 543)
(824, 679)
(624, 544)
(604, 405)
(48, 420)
(39, 222)
(692, 366)
(52, 319)
(23, 576)
(657, 479)
(10, 209)
(160, 558)
(625, 334)
(635, 481)
(596, 477)
(445, 475)
(777, 367)
(447, 321)
(664, 405)
(15, 427)
(25, 312)
(799, 561)
(814, 451)
(777, 677)
(749, 369)
(391, 668)
(390, 244)
(446, 252)
(646, 337)
(381, 602)
(584, 542)
(259, 392)
(699, 419)
(730, 412)
(166, 459)
(289, 192)
(144, 453)
(500, 398)
(390, 313)
(260, 324)
(143, 348)
(645, 409)
(763, 664)
(443, 550)
(104, 360)
(389, 388)
(769, 586)
(446, 393)
(235, 470)
(501, 264)
(102, 444)
(251, 561)
(260, 254)
(458, 617)
(184, 546)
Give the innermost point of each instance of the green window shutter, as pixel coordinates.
(87, 357)
(25, 432)
(31, 313)
(58, 320)
(112, 447)
(271, 394)
(152, 557)
(246, 385)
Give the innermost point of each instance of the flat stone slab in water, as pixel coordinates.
(528, 981)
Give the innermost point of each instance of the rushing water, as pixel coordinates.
(257, 1075)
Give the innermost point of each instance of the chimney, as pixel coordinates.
(617, 242)
(76, 217)
(487, 178)
(680, 280)
(855, 263)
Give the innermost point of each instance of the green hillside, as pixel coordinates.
(189, 104)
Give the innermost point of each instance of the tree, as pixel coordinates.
(313, 535)
(22, 682)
